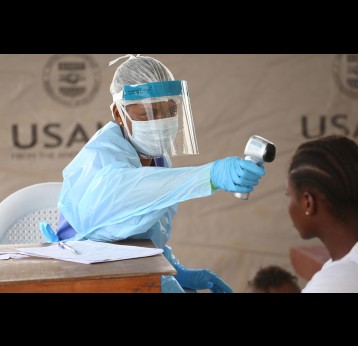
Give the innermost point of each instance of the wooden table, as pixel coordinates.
(44, 275)
(307, 260)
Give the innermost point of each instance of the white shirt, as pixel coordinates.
(339, 276)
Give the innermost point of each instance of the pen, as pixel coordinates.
(66, 247)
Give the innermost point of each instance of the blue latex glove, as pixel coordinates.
(196, 279)
(48, 233)
(234, 174)
(201, 279)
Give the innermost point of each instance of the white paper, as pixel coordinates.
(11, 254)
(91, 252)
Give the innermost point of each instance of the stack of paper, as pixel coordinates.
(89, 251)
(4, 255)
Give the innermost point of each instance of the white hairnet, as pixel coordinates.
(139, 70)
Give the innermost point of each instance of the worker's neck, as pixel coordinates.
(146, 162)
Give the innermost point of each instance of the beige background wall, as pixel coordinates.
(51, 105)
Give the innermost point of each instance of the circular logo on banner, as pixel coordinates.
(345, 71)
(71, 79)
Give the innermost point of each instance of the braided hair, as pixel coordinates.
(329, 166)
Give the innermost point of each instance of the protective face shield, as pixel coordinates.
(163, 121)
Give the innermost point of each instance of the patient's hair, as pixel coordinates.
(328, 165)
(273, 279)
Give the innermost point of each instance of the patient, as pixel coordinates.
(273, 279)
(322, 190)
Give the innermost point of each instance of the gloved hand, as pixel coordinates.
(201, 279)
(196, 279)
(234, 174)
(48, 233)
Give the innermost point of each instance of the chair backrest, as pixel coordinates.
(22, 211)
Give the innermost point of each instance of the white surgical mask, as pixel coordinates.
(151, 137)
(154, 137)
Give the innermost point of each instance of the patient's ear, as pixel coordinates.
(309, 203)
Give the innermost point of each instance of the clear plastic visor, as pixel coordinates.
(143, 105)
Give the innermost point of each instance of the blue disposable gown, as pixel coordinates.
(107, 195)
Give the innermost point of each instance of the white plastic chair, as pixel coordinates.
(22, 211)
